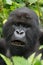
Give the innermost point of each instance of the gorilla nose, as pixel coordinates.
(19, 32)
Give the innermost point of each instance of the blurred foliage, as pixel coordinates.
(6, 6)
(32, 60)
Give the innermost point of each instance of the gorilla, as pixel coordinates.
(22, 33)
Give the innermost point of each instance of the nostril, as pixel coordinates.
(17, 32)
(21, 32)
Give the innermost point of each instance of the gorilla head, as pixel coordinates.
(21, 32)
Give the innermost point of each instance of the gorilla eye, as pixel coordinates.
(26, 25)
(16, 24)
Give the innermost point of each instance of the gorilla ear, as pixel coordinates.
(41, 37)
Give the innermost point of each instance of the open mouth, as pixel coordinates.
(17, 43)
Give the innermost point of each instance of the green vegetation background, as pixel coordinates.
(6, 6)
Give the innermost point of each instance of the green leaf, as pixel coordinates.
(42, 62)
(9, 2)
(41, 47)
(22, 61)
(4, 21)
(37, 62)
(19, 1)
(7, 60)
(32, 1)
(19, 60)
(38, 57)
(31, 58)
(41, 1)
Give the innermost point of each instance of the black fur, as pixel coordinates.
(2, 46)
(2, 50)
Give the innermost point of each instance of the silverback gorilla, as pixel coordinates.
(21, 32)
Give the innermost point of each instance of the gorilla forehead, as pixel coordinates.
(24, 11)
(24, 14)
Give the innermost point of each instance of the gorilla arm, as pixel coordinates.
(41, 37)
(2, 45)
(41, 41)
(2, 50)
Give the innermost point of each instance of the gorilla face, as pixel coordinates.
(21, 31)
